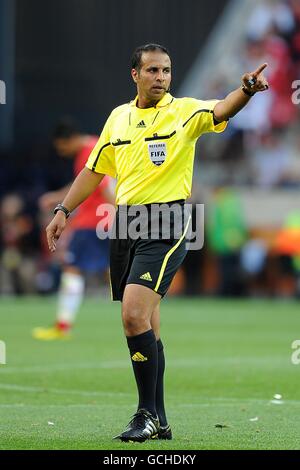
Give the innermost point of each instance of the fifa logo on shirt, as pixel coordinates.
(157, 153)
(2, 352)
(2, 92)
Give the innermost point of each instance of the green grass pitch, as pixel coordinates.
(226, 359)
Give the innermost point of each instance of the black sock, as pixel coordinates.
(143, 352)
(160, 407)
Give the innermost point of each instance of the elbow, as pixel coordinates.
(220, 114)
(221, 118)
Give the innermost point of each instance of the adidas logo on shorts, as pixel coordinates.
(146, 277)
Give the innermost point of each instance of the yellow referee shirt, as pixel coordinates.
(151, 151)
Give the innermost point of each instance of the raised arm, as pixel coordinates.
(84, 184)
(237, 99)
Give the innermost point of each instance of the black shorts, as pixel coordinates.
(150, 253)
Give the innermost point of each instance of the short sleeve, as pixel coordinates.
(102, 157)
(201, 119)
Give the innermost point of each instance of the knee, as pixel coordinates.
(135, 319)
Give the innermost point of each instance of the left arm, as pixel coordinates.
(237, 99)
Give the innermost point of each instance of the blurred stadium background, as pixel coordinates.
(72, 57)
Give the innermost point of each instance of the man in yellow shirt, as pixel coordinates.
(148, 146)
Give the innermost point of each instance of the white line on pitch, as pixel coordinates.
(21, 388)
(194, 362)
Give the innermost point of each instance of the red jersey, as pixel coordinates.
(85, 216)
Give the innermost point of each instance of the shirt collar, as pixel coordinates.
(166, 99)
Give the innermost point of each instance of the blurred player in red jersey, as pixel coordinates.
(85, 252)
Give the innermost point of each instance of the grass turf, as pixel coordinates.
(225, 362)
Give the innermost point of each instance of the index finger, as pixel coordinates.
(259, 70)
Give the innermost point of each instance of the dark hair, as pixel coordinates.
(137, 55)
(65, 128)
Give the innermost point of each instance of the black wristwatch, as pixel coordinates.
(247, 92)
(62, 208)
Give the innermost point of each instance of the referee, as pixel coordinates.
(148, 145)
